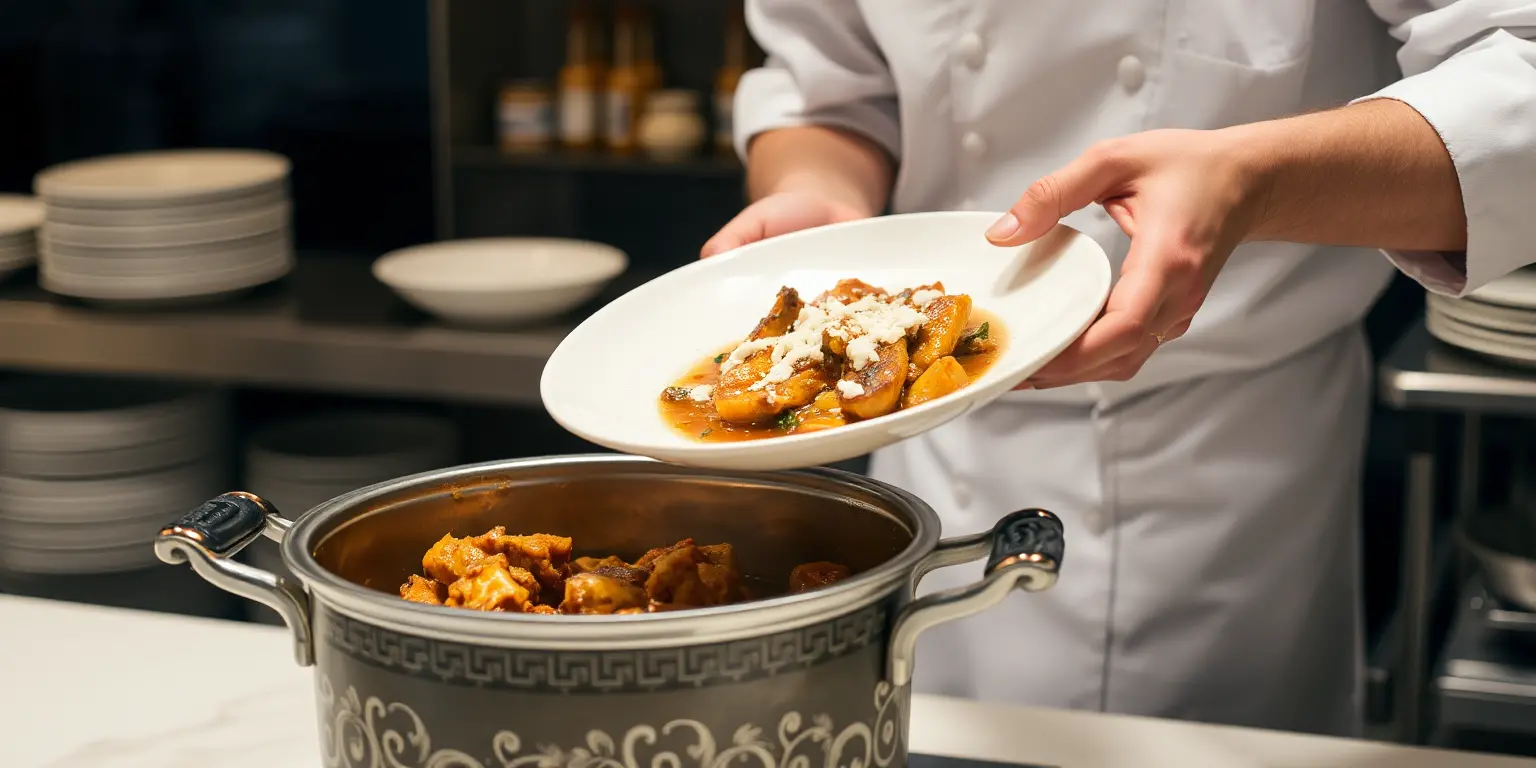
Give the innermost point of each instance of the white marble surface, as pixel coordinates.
(86, 687)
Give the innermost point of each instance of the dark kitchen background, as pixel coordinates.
(386, 108)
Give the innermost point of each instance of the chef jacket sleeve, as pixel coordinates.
(823, 68)
(1469, 68)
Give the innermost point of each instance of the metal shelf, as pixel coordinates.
(1487, 677)
(328, 327)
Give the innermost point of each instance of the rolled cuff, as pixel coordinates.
(1482, 103)
(767, 98)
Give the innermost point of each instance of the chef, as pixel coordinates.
(1240, 160)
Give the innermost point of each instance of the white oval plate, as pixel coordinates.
(604, 381)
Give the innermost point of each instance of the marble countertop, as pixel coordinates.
(90, 687)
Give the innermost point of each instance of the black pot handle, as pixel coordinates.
(210, 535)
(1024, 551)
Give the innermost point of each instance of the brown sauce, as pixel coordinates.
(700, 421)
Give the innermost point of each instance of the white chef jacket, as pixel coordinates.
(1211, 503)
(978, 99)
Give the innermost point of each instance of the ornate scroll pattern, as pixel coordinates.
(655, 669)
(368, 733)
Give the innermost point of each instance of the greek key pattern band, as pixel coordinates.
(654, 669)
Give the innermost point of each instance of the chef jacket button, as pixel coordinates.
(972, 50)
(1132, 73)
(973, 144)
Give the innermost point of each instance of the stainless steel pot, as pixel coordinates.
(808, 680)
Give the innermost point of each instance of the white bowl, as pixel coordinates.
(495, 281)
(604, 380)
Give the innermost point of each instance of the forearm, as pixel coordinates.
(829, 162)
(1373, 174)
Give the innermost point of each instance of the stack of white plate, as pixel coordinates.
(20, 217)
(165, 227)
(91, 470)
(301, 463)
(1497, 320)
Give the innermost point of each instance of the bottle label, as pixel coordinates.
(725, 114)
(578, 116)
(616, 112)
(526, 122)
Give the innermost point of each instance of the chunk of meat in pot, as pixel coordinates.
(694, 577)
(493, 585)
(597, 593)
(423, 590)
(450, 558)
(541, 554)
(589, 564)
(809, 576)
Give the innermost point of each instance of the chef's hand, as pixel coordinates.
(1185, 201)
(777, 214)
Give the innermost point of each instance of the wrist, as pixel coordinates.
(845, 200)
(1261, 162)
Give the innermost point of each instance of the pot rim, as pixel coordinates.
(693, 626)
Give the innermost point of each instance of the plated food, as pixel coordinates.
(854, 353)
(536, 574)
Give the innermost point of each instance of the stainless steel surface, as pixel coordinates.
(1422, 373)
(1487, 680)
(221, 570)
(328, 327)
(1504, 543)
(1024, 570)
(1418, 554)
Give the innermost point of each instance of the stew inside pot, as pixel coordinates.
(537, 574)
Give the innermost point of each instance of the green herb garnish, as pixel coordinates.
(980, 334)
(787, 420)
(676, 393)
(706, 433)
(720, 358)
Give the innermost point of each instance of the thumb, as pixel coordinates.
(1091, 177)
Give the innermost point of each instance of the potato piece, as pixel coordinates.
(941, 378)
(826, 412)
(850, 290)
(878, 385)
(947, 316)
(419, 590)
(778, 321)
(736, 402)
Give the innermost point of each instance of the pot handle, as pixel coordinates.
(1024, 551)
(209, 536)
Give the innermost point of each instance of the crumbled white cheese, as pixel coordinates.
(866, 324)
(701, 393)
(848, 388)
(925, 297)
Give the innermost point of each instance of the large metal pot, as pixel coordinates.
(809, 680)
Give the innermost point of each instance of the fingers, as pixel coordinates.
(747, 227)
(1093, 176)
(1153, 303)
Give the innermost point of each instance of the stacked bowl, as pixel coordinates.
(20, 216)
(300, 463)
(1497, 321)
(90, 469)
(172, 227)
